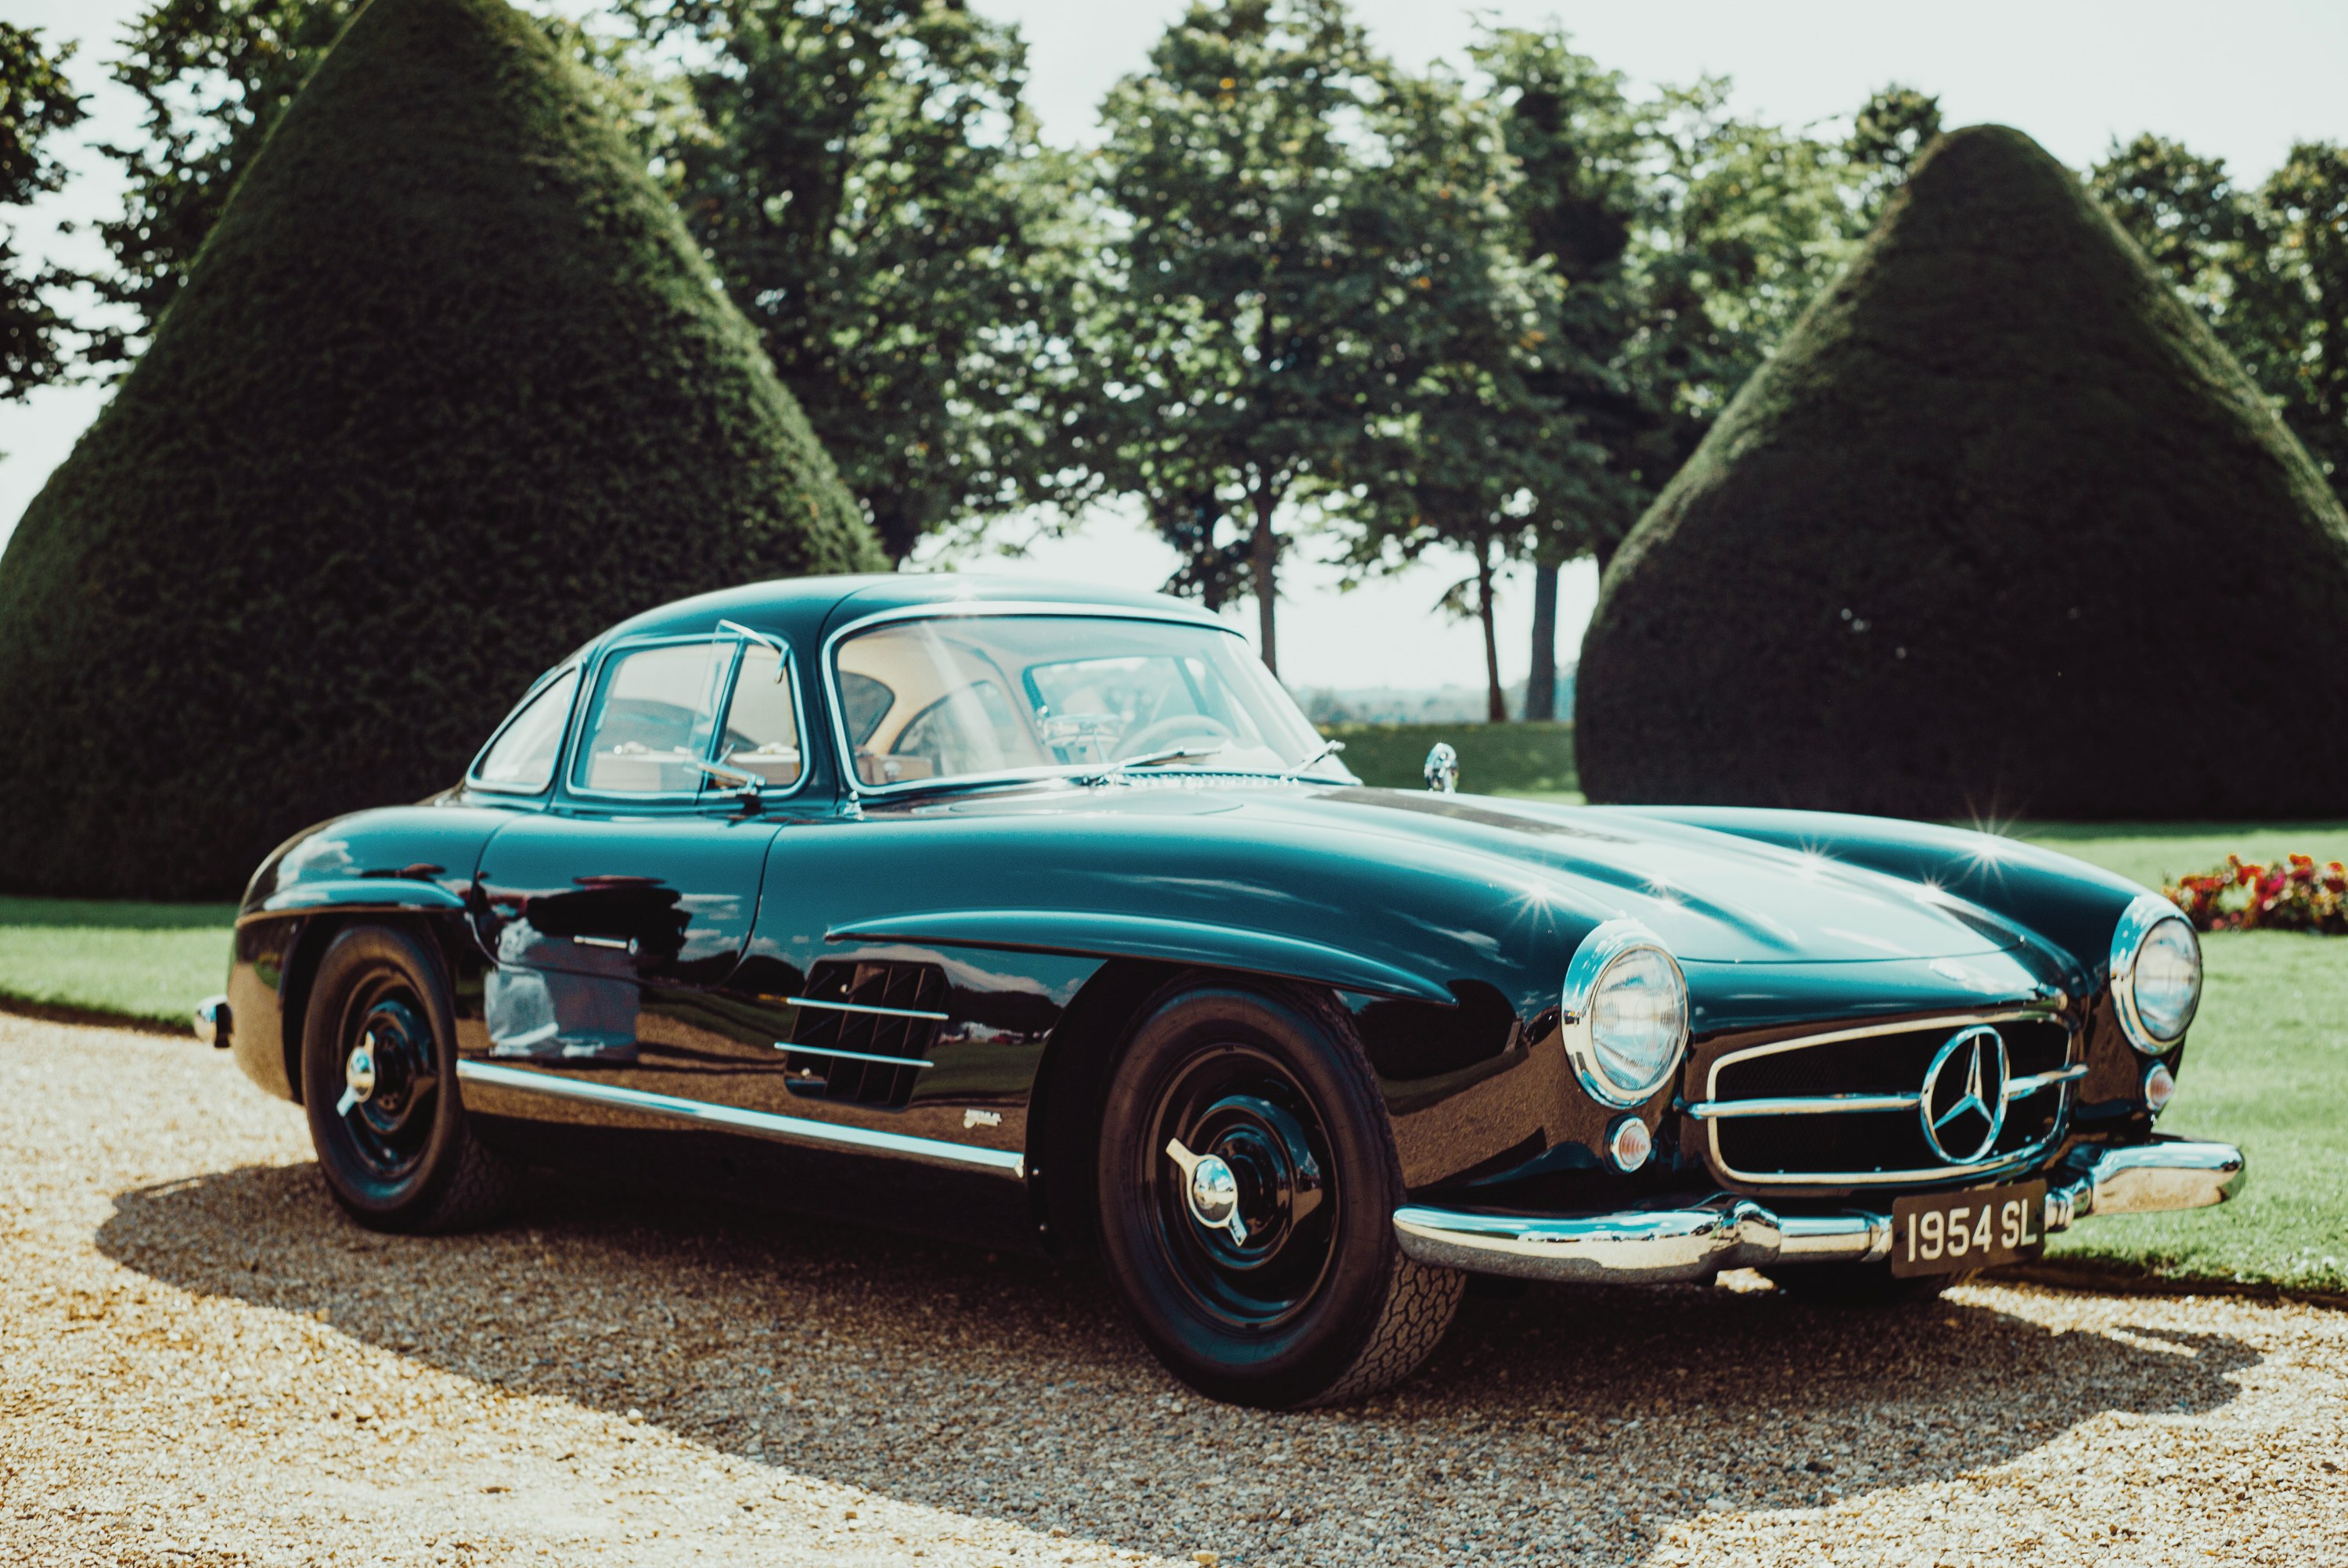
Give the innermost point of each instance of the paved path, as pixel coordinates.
(201, 1362)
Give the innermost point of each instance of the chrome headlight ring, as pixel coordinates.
(2148, 916)
(1602, 953)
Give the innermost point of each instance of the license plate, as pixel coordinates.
(1948, 1233)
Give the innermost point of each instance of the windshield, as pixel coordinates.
(973, 696)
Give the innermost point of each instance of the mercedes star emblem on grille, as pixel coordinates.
(1963, 1105)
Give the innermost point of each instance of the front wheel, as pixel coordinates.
(1247, 1187)
(378, 1082)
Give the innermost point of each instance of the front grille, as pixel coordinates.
(830, 1043)
(1858, 1146)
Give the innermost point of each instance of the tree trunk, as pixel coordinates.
(1496, 706)
(1264, 549)
(1540, 681)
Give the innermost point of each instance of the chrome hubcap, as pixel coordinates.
(1212, 1190)
(358, 1077)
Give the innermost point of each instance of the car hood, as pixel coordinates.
(1713, 897)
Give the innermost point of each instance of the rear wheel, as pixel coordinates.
(378, 1083)
(1247, 1186)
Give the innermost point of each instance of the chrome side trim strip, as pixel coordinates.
(859, 1007)
(1803, 1105)
(854, 1055)
(759, 1123)
(618, 944)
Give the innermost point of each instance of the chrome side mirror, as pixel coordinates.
(1443, 769)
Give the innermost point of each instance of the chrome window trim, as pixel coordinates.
(963, 609)
(575, 756)
(1596, 953)
(758, 1123)
(1712, 1109)
(2145, 913)
(863, 1007)
(562, 741)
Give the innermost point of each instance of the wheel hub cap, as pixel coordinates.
(358, 1077)
(1211, 1191)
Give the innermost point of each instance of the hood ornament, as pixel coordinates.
(1443, 769)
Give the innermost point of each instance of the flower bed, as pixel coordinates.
(2293, 894)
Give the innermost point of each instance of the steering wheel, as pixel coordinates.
(1172, 729)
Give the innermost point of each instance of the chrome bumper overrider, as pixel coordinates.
(1654, 1247)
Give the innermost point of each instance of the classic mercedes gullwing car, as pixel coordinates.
(1038, 917)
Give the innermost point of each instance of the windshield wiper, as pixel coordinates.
(1116, 770)
(1328, 749)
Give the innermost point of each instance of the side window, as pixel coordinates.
(655, 714)
(522, 756)
(762, 722)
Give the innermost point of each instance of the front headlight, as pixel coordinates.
(2156, 974)
(1626, 1013)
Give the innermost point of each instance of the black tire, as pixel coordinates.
(1316, 1302)
(403, 1158)
(1861, 1285)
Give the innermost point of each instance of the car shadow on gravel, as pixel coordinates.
(1553, 1423)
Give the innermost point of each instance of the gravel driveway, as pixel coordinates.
(201, 1362)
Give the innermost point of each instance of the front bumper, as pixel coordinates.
(1656, 1246)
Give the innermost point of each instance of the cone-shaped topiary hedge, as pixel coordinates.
(449, 391)
(2001, 529)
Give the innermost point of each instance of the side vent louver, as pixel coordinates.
(880, 1014)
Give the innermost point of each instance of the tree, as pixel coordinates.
(448, 390)
(1933, 560)
(1472, 443)
(1225, 373)
(1688, 240)
(2294, 326)
(869, 183)
(1887, 135)
(2266, 267)
(1582, 153)
(212, 76)
(36, 103)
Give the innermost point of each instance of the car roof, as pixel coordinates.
(804, 608)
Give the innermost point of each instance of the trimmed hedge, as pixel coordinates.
(449, 391)
(2001, 530)
(1537, 755)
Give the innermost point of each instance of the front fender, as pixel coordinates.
(1175, 941)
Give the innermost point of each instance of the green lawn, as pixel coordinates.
(147, 961)
(2269, 1054)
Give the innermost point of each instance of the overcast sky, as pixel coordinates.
(2242, 81)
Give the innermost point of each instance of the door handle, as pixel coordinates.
(617, 944)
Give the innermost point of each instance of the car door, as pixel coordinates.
(614, 913)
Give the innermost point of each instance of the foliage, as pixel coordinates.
(1686, 240)
(1470, 442)
(2296, 895)
(1228, 357)
(1912, 542)
(2267, 268)
(212, 77)
(449, 390)
(36, 103)
(868, 180)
